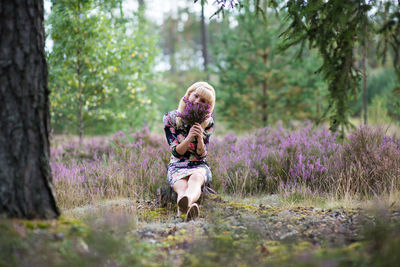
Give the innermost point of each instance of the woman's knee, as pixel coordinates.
(180, 185)
(197, 177)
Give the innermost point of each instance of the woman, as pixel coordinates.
(188, 170)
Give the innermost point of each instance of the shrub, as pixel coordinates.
(306, 160)
(369, 163)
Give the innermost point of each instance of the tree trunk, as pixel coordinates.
(265, 88)
(142, 8)
(318, 107)
(80, 96)
(172, 44)
(26, 189)
(204, 40)
(364, 99)
(80, 101)
(141, 4)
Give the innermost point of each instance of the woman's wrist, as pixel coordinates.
(200, 152)
(200, 147)
(183, 147)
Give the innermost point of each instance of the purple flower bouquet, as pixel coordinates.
(194, 112)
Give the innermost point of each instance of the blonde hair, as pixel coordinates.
(206, 91)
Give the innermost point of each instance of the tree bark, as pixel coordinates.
(172, 44)
(142, 8)
(265, 88)
(80, 96)
(26, 189)
(80, 102)
(141, 4)
(204, 40)
(364, 99)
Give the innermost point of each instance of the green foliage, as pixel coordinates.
(248, 69)
(71, 243)
(383, 240)
(333, 27)
(259, 85)
(98, 67)
(377, 111)
(380, 82)
(389, 16)
(180, 42)
(394, 103)
(305, 93)
(388, 21)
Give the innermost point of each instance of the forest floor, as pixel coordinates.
(230, 231)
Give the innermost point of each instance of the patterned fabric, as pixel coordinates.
(181, 166)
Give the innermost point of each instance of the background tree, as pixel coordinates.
(26, 189)
(258, 84)
(293, 89)
(333, 28)
(204, 40)
(182, 52)
(389, 16)
(247, 65)
(99, 65)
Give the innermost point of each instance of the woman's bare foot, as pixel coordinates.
(183, 205)
(193, 212)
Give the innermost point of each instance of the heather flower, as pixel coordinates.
(302, 162)
(195, 112)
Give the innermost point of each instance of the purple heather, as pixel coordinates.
(194, 112)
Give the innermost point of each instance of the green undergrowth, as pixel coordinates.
(256, 231)
(71, 242)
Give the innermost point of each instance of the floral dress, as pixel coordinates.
(181, 166)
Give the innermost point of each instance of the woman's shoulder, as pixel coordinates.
(171, 114)
(170, 117)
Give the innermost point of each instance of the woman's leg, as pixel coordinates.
(194, 184)
(180, 187)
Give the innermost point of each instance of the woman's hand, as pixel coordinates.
(195, 131)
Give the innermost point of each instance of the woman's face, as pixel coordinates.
(195, 98)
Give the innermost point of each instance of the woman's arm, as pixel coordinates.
(204, 140)
(170, 133)
(201, 148)
(194, 131)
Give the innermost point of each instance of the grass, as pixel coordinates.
(281, 208)
(306, 163)
(390, 128)
(235, 232)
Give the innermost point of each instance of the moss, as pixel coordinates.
(182, 232)
(278, 250)
(151, 215)
(69, 221)
(29, 224)
(222, 241)
(241, 206)
(11, 241)
(302, 246)
(352, 211)
(72, 227)
(173, 240)
(35, 224)
(43, 225)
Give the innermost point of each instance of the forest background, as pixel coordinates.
(119, 65)
(289, 192)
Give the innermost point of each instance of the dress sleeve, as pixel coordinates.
(170, 134)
